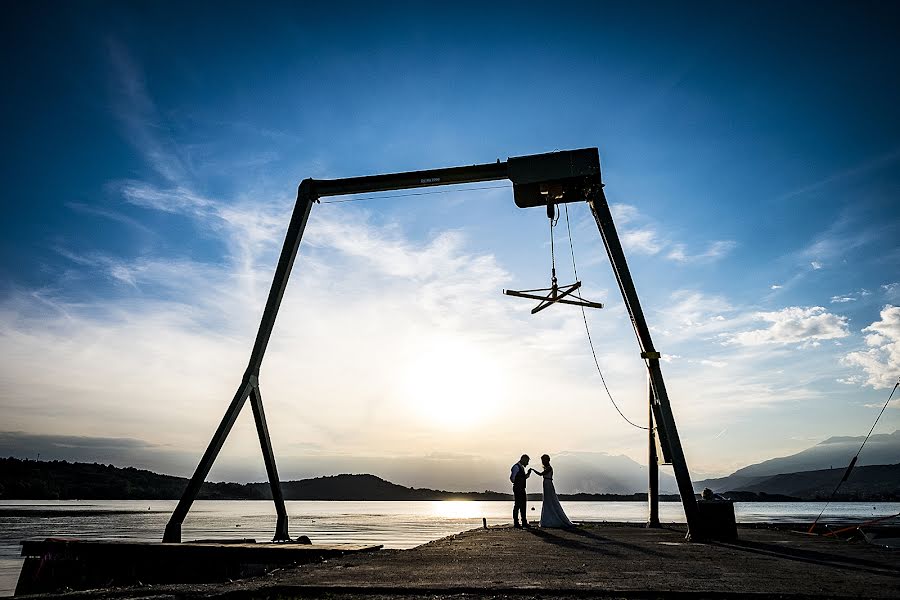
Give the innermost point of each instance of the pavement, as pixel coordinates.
(596, 560)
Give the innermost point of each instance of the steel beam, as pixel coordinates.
(652, 463)
(250, 383)
(173, 528)
(662, 409)
(409, 180)
(262, 430)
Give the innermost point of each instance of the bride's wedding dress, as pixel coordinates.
(552, 513)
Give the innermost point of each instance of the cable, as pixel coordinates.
(855, 458)
(472, 189)
(587, 330)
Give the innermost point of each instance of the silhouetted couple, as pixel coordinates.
(552, 514)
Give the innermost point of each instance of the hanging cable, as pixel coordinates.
(471, 189)
(855, 458)
(587, 331)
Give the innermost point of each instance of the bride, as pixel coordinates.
(552, 514)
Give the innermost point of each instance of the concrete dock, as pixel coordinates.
(602, 560)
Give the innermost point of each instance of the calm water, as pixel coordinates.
(393, 524)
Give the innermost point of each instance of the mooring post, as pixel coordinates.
(652, 463)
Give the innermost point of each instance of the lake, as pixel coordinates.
(393, 524)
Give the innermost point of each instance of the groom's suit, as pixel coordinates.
(518, 475)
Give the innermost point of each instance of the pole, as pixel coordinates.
(652, 464)
(662, 409)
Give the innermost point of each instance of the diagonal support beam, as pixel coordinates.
(262, 430)
(173, 528)
(306, 197)
(661, 408)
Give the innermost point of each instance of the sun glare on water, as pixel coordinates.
(453, 384)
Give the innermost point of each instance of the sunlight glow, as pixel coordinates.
(453, 384)
(458, 509)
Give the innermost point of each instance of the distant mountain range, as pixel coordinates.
(809, 474)
(874, 482)
(813, 473)
(61, 480)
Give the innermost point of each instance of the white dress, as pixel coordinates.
(552, 513)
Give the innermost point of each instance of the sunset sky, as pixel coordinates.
(751, 154)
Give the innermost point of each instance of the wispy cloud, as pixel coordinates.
(714, 251)
(142, 125)
(867, 166)
(640, 236)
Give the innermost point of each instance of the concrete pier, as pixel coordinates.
(602, 560)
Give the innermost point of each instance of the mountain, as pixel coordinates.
(874, 482)
(601, 473)
(833, 453)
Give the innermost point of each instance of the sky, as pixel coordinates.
(751, 156)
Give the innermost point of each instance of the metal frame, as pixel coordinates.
(539, 180)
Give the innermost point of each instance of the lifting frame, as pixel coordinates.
(538, 180)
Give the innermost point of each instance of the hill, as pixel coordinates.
(833, 453)
(874, 482)
(62, 480)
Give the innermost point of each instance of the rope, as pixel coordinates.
(855, 458)
(471, 189)
(587, 331)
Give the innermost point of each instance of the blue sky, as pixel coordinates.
(152, 152)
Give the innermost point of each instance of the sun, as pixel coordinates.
(453, 384)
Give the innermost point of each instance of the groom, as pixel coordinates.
(517, 476)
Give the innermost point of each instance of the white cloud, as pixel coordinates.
(816, 265)
(623, 213)
(641, 241)
(793, 325)
(718, 364)
(842, 299)
(714, 251)
(775, 286)
(692, 313)
(881, 362)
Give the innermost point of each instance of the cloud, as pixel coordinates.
(872, 164)
(842, 299)
(139, 117)
(793, 325)
(714, 251)
(816, 265)
(645, 239)
(881, 362)
(624, 213)
(891, 290)
(641, 241)
(692, 313)
(382, 346)
(775, 286)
